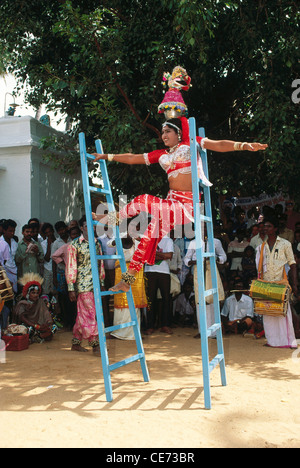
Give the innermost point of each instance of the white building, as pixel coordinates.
(28, 186)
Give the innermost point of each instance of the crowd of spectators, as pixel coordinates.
(169, 284)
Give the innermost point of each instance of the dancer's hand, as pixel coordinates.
(99, 156)
(254, 146)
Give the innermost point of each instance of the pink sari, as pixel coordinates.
(86, 327)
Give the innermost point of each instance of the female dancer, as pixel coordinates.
(177, 208)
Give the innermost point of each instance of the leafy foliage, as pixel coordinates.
(101, 64)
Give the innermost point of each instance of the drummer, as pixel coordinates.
(277, 255)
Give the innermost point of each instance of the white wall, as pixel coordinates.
(28, 186)
(15, 184)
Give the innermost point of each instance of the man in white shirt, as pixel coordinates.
(277, 257)
(238, 311)
(8, 248)
(158, 277)
(4, 252)
(190, 256)
(9, 227)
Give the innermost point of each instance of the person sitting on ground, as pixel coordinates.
(238, 311)
(184, 311)
(32, 311)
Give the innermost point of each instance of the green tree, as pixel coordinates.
(101, 63)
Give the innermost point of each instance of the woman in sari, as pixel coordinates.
(32, 311)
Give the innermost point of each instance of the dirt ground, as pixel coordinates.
(52, 397)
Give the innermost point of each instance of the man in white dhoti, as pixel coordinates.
(278, 255)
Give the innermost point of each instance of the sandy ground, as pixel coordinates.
(52, 397)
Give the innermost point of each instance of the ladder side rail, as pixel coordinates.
(111, 206)
(95, 270)
(200, 265)
(213, 264)
(119, 247)
(209, 226)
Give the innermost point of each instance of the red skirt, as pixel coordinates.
(175, 210)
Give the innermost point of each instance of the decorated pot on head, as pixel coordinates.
(173, 105)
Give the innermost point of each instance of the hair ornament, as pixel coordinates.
(31, 281)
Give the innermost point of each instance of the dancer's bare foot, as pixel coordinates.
(78, 348)
(122, 286)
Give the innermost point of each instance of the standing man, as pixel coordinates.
(48, 231)
(8, 245)
(80, 286)
(58, 271)
(29, 254)
(277, 254)
(9, 228)
(260, 236)
(158, 278)
(190, 261)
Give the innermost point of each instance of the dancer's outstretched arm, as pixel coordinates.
(225, 146)
(126, 158)
(221, 146)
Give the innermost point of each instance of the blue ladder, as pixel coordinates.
(106, 191)
(205, 332)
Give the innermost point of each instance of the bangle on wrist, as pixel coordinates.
(237, 146)
(110, 157)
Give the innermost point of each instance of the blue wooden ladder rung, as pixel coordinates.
(215, 361)
(119, 326)
(199, 218)
(209, 254)
(98, 293)
(210, 292)
(126, 361)
(109, 293)
(90, 157)
(205, 218)
(98, 190)
(109, 257)
(213, 328)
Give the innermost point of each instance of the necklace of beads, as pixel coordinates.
(174, 148)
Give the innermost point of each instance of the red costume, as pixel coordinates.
(176, 209)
